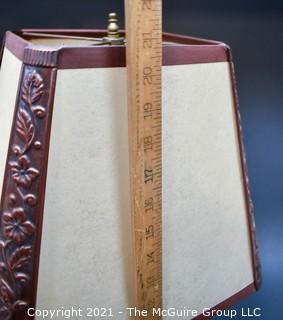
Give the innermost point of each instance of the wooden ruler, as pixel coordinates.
(144, 62)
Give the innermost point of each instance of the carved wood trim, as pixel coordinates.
(41, 57)
(78, 57)
(22, 202)
(248, 198)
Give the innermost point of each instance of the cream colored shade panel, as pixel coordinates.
(9, 81)
(60, 42)
(86, 245)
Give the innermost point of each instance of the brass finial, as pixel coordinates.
(113, 27)
(113, 35)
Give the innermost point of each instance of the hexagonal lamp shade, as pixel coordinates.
(65, 217)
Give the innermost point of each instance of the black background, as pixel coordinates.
(254, 30)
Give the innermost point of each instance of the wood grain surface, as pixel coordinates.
(144, 61)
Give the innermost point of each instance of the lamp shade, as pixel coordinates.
(64, 173)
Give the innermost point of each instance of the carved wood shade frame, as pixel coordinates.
(23, 193)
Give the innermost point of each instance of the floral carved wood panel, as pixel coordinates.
(22, 200)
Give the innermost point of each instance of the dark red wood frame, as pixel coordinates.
(22, 201)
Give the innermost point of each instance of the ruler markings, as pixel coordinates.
(144, 62)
